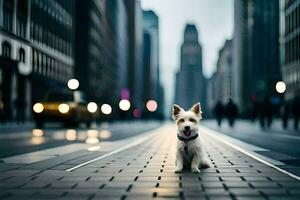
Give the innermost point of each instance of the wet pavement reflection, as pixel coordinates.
(53, 136)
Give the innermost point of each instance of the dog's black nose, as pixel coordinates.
(186, 128)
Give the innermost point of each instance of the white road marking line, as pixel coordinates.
(137, 142)
(211, 134)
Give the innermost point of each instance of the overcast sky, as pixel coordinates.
(214, 21)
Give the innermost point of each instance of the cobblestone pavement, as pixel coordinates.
(146, 171)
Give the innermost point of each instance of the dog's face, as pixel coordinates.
(187, 121)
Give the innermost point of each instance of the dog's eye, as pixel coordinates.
(192, 120)
(181, 120)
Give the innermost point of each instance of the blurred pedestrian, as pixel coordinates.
(20, 105)
(231, 111)
(296, 111)
(266, 113)
(219, 112)
(285, 115)
(254, 110)
(2, 114)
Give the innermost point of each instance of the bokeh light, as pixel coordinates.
(137, 113)
(38, 107)
(92, 133)
(106, 109)
(73, 84)
(92, 107)
(280, 87)
(37, 132)
(151, 105)
(124, 104)
(71, 135)
(63, 108)
(94, 148)
(104, 134)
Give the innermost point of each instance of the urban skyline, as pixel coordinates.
(99, 44)
(88, 109)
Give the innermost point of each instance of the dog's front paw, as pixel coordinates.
(205, 163)
(195, 170)
(178, 170)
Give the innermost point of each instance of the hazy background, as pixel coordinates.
(214, 21)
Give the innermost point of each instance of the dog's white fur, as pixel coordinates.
(197, 155)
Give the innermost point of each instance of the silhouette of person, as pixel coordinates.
(219, 112)
(296, 111)
(254, 110)
(231, 111)
(266, 113)
(2, 114)
(285, 115)
(20, 105)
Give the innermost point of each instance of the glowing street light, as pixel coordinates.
(106, 109)
(92, 107)
(73, 84)
(280, 87)
(151, 105)
(124, 104)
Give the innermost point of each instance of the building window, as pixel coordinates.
(21, 55)
(6, 50)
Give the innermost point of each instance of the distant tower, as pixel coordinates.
(189, 79)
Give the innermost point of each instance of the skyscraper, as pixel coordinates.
(135, 52)
(101, 49)
(256, 50)
(152, 86)
(224, 77)
(290, 47)
(189, 79)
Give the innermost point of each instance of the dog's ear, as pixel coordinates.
(176, 111)
(197, 109)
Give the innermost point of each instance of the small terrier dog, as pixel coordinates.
(190, 153)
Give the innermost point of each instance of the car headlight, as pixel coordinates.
(38, 108)
(63, 108)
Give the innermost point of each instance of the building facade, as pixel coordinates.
(212, 95)
(101, 49)
(290, 46)
(36, 55)
(153, 89)
(135, 52)
(190, 83)
(224, 76)
(256, 51)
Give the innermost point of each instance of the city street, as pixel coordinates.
(139, 164)
(275, 143)
(88, 90)
(16, 139)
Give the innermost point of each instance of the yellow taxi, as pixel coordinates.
(67, 107)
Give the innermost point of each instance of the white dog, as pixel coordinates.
(190, 152)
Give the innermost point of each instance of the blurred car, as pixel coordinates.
(67, 107)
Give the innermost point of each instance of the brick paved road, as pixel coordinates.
(146, 171)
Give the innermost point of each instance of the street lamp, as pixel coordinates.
(124, 104)
(73, 84)
(106, 109)
(280, 87)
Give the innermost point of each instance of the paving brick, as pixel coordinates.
(147, 171)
